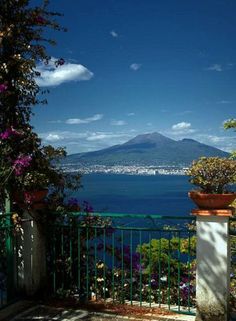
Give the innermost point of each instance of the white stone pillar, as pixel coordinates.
(31, 256)
(213, 265)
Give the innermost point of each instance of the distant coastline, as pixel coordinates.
(127, 170)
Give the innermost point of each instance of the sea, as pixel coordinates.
(165, 195)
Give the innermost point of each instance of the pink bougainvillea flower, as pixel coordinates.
(3, 87)
(8, 133)
(21, 163)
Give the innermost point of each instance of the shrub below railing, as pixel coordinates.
(97, 257)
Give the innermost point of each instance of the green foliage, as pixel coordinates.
(231, 124)
(164, 250)
(213, 174)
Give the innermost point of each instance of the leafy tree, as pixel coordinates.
(24, 161)
(231, 124)
(22, 46)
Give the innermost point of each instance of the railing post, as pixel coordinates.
(32, 270)
(213, 264)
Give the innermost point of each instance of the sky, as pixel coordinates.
(134, 67)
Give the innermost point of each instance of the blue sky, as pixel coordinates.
(135, 66)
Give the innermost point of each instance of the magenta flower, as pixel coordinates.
(21, 163)
(8, 133)
(3, 87)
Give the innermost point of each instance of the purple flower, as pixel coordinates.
(126, 249)
(154, 283)
(3, 87)
(21, 163)
(72, 201)
(136, 257)
(87, 207)
(40, 20)
(137, 267)
(73, 204)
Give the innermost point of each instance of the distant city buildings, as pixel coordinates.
(128, 170)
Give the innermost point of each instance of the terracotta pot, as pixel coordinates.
(36, 196)
(31, 196)
(212, 201)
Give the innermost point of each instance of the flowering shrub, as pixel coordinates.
(24, 163)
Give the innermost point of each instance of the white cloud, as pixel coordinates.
(113, 33)
(181, 129)
(55, 76)
(78, 121)
(224, 102)
(184, 112)
(181, 126)
(226, 143)
(58, 121)
(62, 135)
(77, 142)
(135, 66)
(103, 136)
(215, 67)
(52, 137)
(118, 122)
(130, 114)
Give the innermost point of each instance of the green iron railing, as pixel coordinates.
(6, 260)
(233, 262)
(135, 259)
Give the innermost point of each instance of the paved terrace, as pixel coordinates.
(30, 311)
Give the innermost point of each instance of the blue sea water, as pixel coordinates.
(160, 194)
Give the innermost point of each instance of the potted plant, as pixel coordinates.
(214, 176)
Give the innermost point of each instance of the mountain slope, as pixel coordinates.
(148, 149)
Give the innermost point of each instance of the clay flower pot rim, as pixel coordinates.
(212, 201)
(44, 189)
(205, 193)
